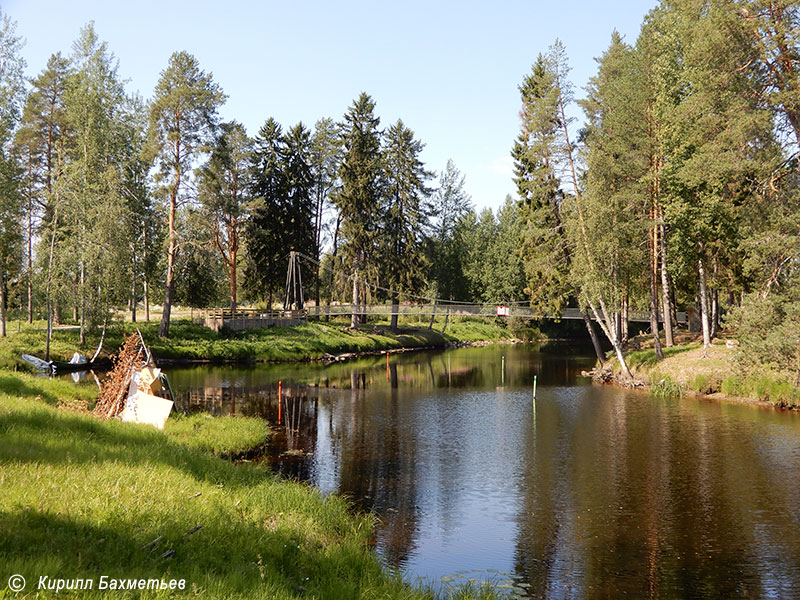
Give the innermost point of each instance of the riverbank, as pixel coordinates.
(84, 499)
(714, 372)
(191, 342)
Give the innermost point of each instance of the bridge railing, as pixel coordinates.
(485, 310)
(252, 318)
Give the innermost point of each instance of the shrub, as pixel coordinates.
(769, 332)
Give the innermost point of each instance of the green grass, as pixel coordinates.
(664, 386)
(690, 368)
(225, 436)
(646, 357)
(26, 385)
(84, 498)
(304, 342)
(763, 387)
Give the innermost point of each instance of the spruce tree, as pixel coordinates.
(405, 213)
(264, 231)
(450, 203)
(358, 199)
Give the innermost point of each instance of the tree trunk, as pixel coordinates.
(3, 302)
(608, 325)
(701, 272)
(654, 292)
(30, 261)
(333, 266)
(714, 313)
(395, 310)
(598, 349)
(146, 300)
(163, 330)
(666, 305)
(433, 312)
(654, 315)
(354, 315)
(233, 281)
(133, 287)
(83, 303)
(49, 281)
(625, 322)
(363, 306)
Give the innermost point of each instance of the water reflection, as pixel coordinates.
(592, 492)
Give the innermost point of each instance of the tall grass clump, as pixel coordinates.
(665, 387)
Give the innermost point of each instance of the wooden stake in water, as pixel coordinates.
(280, 400)
(503, 370)
(534, 394)
(387, 366)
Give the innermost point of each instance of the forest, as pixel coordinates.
(678, 190)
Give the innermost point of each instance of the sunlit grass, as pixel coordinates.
(307, 341)
(224, 436)
(83, 498)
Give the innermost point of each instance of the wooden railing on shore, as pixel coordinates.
(250, 318)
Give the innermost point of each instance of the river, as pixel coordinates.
(588, 491)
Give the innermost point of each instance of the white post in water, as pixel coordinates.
(534, 392)
(503, 371)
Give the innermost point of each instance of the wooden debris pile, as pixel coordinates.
(114, 394)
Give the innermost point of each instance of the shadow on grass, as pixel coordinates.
(647, 357)
(230, 557)
(45, 436)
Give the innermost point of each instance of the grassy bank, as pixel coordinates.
(688, 368)
(308, 341)
(82, 498)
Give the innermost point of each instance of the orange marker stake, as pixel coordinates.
(280, 400)
(387, 366)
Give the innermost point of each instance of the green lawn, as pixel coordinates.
(191, 341)
(81, 498)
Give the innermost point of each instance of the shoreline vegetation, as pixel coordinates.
(687, 368)
(319, 340)
(714, 372)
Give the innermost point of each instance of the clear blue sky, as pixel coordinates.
(449, 70)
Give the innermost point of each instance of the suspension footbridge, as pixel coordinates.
(297, 310)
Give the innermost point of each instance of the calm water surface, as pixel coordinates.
(590, 492)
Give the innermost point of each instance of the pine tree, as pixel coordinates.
(40, 136)
(183, 118)
(718, 146)
(224, 194)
